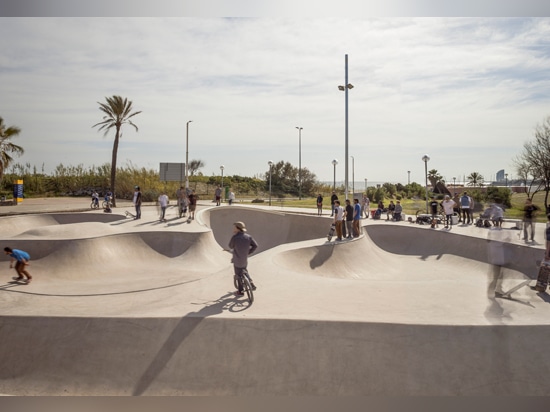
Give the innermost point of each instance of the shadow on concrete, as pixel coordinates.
(181, 332)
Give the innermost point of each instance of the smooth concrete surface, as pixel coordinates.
(141, 307)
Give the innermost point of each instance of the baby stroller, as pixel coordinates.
(484, 219)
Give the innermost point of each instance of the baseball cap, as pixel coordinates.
(240, 225)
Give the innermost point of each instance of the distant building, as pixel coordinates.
(500, 175)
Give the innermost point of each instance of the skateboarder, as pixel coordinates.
(21, 259)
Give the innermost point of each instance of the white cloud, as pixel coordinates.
(469, 91)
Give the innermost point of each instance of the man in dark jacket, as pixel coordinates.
(242, 245)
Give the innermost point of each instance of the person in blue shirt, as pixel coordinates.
(356, 218)
(21, 259)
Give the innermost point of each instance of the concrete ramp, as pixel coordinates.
(147, 308)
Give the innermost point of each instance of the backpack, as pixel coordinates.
(465, 201)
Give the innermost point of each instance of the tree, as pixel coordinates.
(534, 161)
(117, 112)
(8, 148)
(434, 177)
(194, 166)
(475, 179)
(285, 179)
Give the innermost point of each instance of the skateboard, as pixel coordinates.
(542, 279)
(128, 214)
(331, 231)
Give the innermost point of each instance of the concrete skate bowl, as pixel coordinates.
(411, 253)
(270, 229)
(94, 258)
(318, 337)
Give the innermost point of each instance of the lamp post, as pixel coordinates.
(270, 163)
(506, 176)
(299, 161)
(187, 156)
(352, 177)
(454, 183)
(408, 177)
(345, 89)
(426, 159)
(365, 185)
(223, 191)
(334, 163)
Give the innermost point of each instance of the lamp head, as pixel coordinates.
(341, 88)
(350, 86)
(335, 162)
(426, 158)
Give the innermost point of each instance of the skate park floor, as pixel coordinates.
(141, 307)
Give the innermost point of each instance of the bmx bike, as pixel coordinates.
(94, 204)
(243, 278)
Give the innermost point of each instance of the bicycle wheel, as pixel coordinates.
(94, 205)
(236, 282)
(247, 288)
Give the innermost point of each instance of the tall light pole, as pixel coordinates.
(365, 185)
(223, 191)
(454, 184)
(299, 161)
(409, 177)
(426, 159)
(506, 176)
(345, 88)
(334, 163)
(270, 163)
(352, 176)
(187, 156)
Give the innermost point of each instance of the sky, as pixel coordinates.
(467, 91)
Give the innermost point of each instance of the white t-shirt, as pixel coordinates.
(163, 200)
(448, 206)
(339, 213)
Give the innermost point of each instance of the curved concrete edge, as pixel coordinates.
(194, 355)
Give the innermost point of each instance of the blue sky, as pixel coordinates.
(468, 91)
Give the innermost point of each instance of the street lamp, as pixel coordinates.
(365, 185)
(345, 88)
(426, 159)
(223, 191)
(334, 163)
(352, 176)
(187, 156)
(454, 183)
(270, 163)
(299, 161)
(409, 177)
(506, 176)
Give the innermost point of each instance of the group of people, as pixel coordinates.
(218, 196)
(460, 206)
(346, 219)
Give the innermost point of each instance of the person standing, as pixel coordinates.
(163, 203)
(21, 259)
(192, 204)
(349, 220)
(448, 208)
(456, 199)
(231, 197)
(338, 212)
(137, 202)
(218, 195)
(319, 205)
(241, 245)
(333, 200)
(365, 205)
(467, 206)
(356, 218)
(529, 213)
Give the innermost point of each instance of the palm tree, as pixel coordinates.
(117, 112)
(475, 179)
(6, 147)
(434, 177)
